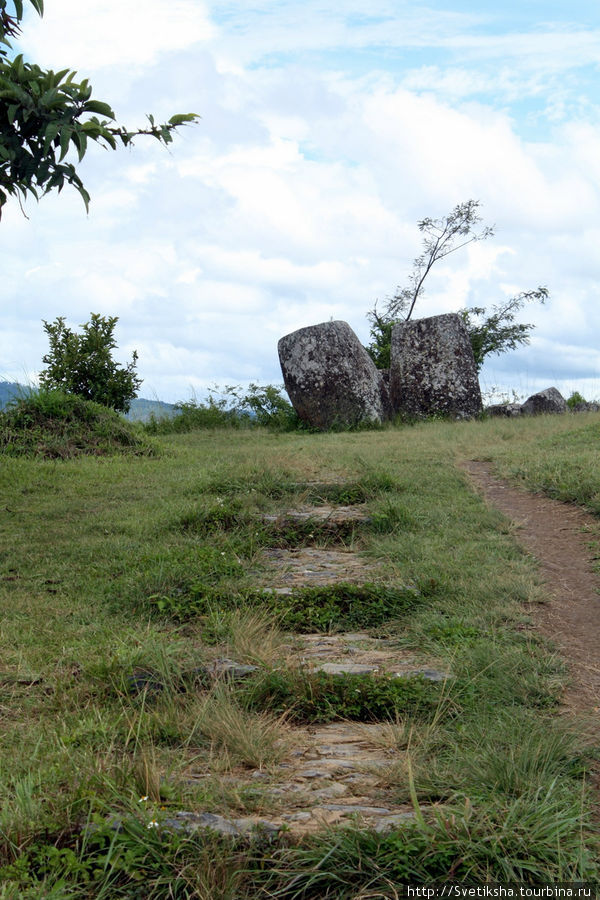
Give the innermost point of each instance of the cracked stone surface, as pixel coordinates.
(309, 566)
(336, 515)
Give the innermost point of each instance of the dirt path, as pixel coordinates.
(558, 535)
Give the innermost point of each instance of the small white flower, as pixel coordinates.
(143, 799)
(152, 824)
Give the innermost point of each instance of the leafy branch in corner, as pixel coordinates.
(44, 114)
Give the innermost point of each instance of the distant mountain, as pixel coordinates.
(140, 411)
(9, 390)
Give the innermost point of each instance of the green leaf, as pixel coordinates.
(182, 118)
(57, 77)
(79, 138)
(108, 137)
(51, 131)
(92, 129)
(97, 106)
(65, 137)
(17, 65)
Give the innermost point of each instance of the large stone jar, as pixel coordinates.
(330, 378)
(433, 369)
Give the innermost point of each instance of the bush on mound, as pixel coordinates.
(55, 425)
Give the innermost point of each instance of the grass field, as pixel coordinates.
(119, 570)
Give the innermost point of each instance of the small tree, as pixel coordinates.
(43, 114)
(82, 363)
(495, 333)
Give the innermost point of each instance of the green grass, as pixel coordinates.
(336, 607)
(90, 546)
(320, 697)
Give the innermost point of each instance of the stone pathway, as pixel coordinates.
(337, 772)
(310, 566)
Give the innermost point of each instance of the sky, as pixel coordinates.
(327, 133)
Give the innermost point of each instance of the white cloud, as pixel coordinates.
(99, 34)
(295, 200)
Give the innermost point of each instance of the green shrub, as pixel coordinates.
(575, 399)
(82, 364)
(269, 407)
(191, 415)
(259, 406)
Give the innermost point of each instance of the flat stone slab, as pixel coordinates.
(333, 764)
(309, 566)
(352, 808)
(387, 823)
(229, 668)
(313, 773)
(347, 669)
(188, 822)
(428, 674)
(333, 515)
(328, 793)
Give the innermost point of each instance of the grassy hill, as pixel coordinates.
(124, 579)
(141, 410)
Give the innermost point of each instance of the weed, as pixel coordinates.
(352, 492)
(275, 485)
(261, 405)
(508, 755)
(249, 739)
(451, 632)
(254, 636)
(285, 531)
(289, 532)
(20, 813)
(219, 516)
(343, 606)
